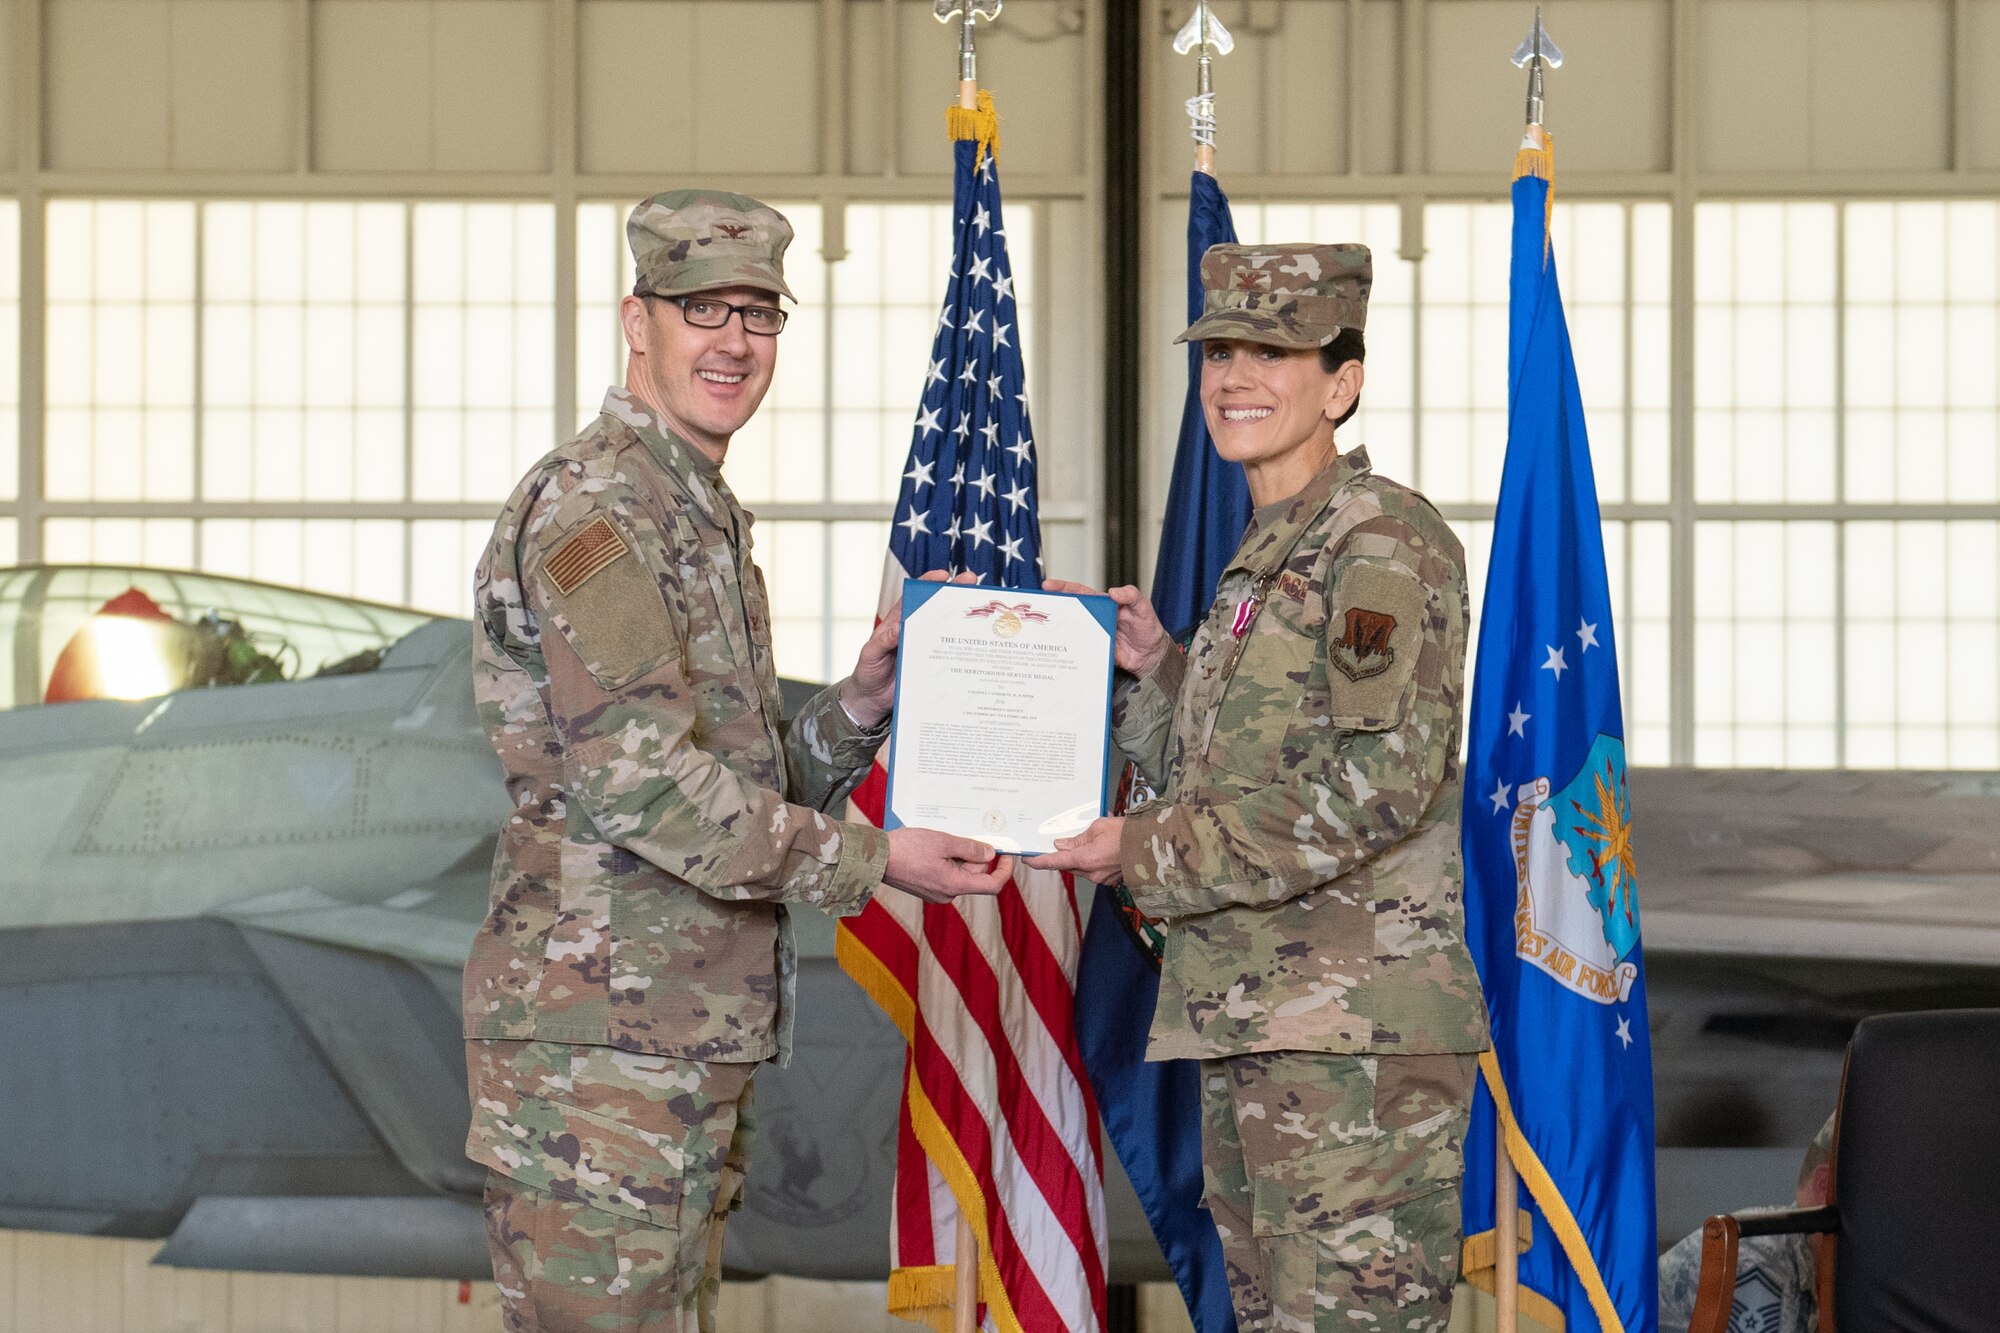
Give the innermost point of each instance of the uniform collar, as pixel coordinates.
(693, 471)
(1276, 528)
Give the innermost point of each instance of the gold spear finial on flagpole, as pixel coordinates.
(1204, 31)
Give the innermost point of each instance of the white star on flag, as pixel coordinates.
(971, 375)
(991, 430)
(919, 475)
(972, 325)
(1000, 335)
(936, 375)
(1499, 797)
(927, 422)
(915, 523)
(981, 219)
(1517, 721)
(1003, 287)
(1624, 1032)
(983, 483)
(1556, 663)
(982, 269)
(1587, 634)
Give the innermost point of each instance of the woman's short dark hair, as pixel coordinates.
(1347, 346)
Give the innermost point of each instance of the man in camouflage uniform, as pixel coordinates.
(637, 962)
(1304, 847)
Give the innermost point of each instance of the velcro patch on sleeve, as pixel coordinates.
(595, 548)
(1374, 635)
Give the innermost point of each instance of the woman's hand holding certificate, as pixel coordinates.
(1002, 713)
(1142, 640)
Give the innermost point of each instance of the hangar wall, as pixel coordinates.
(1732, 164)
(1774, 220)
(1730, 171)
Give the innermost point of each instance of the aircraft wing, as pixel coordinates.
(1884, 866)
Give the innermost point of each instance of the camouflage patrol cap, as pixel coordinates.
(698, 240)
(1294, 296)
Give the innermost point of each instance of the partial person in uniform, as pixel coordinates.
(636, 963)
(1775, 1290)
(1303, 849)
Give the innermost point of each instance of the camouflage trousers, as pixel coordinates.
(611, 1178)
(1333, 1181)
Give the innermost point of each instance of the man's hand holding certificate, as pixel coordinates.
(1002, 713)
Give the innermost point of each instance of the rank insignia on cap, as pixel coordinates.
(1293, 584)
(1363, 650)
(593, 549)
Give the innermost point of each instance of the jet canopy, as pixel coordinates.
(126, 632)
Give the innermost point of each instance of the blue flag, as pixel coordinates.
(1551, 894)
(1153, 1111)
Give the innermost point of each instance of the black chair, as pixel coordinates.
(1905, 1243)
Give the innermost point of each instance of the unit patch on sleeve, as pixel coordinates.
(1363, 649)
(589, 552)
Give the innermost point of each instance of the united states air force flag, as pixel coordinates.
(1551, 890)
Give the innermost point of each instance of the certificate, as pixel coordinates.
(1003, 713)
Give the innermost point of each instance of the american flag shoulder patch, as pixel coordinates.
(597, 546)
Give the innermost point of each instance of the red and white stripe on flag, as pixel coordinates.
(997, 1115)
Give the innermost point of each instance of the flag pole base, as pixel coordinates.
(965, 1298)
(1506, 1227)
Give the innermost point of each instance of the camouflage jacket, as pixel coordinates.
(638, 886)
(1304, 847)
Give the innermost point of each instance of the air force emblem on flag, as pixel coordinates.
(1577, 916)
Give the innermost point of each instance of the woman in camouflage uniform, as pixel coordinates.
(1303, 852)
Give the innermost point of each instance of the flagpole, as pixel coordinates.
(965, 1293)
(965, 1289)
(1204, 143)
(1203, 33)
(1506, 1236)
(1534, 55)
(965, 1253)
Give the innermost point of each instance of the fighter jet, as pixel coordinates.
(256, 825)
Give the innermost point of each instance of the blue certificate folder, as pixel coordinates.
(1013, 819)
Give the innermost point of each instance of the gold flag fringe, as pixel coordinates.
(981, 126)
(1541, 164)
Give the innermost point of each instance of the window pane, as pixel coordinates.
(302, 333)
(483, 347)
(119, 333)
(1765, 645)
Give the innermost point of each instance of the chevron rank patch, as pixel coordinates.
(593, 549)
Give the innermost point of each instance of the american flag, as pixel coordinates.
(997, 1115)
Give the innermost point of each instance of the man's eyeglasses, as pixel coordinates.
(705, 312)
